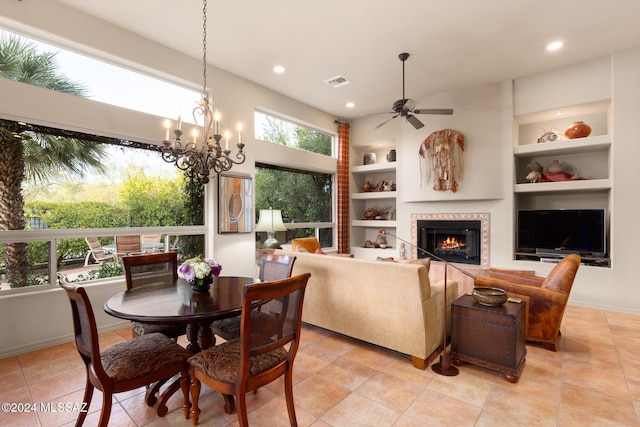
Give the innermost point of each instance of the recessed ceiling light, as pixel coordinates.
(279, 69)
(554, 46)
(350, 104)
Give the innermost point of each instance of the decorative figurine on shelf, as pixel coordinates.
(534, 176)
(578, 130)
(369, 158)
(549, 136)
(366, 187)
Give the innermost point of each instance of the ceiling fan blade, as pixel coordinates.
(386, 121)
(444, 111)
(410, 105)
(414, 121)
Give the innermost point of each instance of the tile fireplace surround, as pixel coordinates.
(436, 272)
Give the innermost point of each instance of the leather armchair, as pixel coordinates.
(305, 244)
(547, 297)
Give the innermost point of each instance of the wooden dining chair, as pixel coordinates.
(125, 366)
(152, 269)
(255, 358)
(272, 267)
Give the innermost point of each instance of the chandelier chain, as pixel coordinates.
(199, 159)
(204, 48)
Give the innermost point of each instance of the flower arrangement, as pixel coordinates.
(198, 271)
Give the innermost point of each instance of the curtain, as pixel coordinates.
(343, 188)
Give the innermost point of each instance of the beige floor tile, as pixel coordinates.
(313, 358)
(317, 395)
(465, 387)
(435, 409)
(592, 380)
(357, 410)
(404, 369)
(371, 356)
(347, 373)
(514, 401)
(58, 385)
(274, 413)
(598, 404)
(612, 383)
(391, 391)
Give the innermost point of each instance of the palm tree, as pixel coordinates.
(34, 156)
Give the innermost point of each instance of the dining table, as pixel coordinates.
(179, 303)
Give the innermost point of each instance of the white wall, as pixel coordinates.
(485, 115)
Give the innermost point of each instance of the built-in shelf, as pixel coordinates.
(373, 223)
(374, 168)
(570, 146)
(577, 185)
(374, 195)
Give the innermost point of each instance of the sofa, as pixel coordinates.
(389, 304)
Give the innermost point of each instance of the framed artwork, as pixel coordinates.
(235, 204)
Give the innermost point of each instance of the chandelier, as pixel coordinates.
(203, 152)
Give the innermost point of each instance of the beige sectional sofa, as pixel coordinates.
(389, 304)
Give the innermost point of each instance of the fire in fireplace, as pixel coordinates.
(452, 240)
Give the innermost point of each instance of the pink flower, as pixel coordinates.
(187, 272)
(215, 267)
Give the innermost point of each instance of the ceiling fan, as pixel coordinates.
(407, 107)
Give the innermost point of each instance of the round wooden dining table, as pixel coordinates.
(180, 304)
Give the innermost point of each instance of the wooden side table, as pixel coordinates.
(491, 337)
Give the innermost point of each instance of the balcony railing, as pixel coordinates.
(50, 269)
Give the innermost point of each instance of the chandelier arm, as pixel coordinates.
(198, 162)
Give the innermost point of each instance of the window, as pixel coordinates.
(305, 198)
(131, 190)
(115, 85)
(279, 131)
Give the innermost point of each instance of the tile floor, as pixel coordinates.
(593, 380)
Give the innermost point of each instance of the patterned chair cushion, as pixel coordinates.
(141, 356)
(229, 328)
(141, 328)
(222, 362)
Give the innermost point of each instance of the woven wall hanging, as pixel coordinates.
(441, 160)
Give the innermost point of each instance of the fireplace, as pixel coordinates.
(453, 241)
(457, 238)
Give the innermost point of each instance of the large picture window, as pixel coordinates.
(305, 198)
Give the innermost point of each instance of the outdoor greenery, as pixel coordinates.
(32, 156)
(302, 196)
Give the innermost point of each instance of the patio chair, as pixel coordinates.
(128, 245)
(97, 252)
(129, 365)
(255, 358)
(272, 267)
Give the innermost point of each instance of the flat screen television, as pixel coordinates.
(562, 231)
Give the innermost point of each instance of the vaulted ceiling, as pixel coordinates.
(453, 43)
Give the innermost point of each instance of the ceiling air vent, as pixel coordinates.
(337, 81)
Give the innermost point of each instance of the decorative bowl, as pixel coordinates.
(490, 296)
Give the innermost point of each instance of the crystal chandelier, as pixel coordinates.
(203, 153)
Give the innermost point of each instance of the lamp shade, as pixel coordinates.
(270, 220)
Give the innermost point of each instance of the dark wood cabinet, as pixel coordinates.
(492, 337)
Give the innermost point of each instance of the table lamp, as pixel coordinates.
(271, 221)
